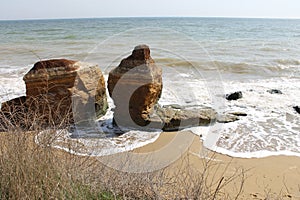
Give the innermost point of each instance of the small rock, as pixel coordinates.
(242, 114)
(274, 91)
(227, 118)
(234, 96)
(297, 109)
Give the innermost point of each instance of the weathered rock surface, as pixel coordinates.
(173, 119)
(135, 86)
(65, 91)
(274, 91)
(234, 96)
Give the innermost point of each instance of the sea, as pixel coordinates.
(202, 59)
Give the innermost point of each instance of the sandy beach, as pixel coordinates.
(270, 176)
(195, 65)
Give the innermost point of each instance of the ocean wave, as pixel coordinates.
(288, 62)
(268, 49)
(70, 37)
(237, 68)
(14, 33)
(47, 30)
(271, 126)
(12, 71)
(87, 146)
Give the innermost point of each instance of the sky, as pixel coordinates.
(56, 9)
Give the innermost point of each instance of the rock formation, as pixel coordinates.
(170, 118)
(174, 118)
(234, 96)
(135, 86)
(63, 91)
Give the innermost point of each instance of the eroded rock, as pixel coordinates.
(135, 86)
(65, 91)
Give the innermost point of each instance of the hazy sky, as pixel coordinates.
(41, 9)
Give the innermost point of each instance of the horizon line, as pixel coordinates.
(116, 17)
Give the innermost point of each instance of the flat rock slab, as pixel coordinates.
(169, 118)
(174, 118)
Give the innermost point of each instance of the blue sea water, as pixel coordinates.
(202, 60)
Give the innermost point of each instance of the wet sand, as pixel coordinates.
(269, 176)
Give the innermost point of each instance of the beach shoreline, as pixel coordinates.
(276, 175)
(273, 177)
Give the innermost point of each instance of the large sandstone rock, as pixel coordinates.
(65, 91)
(135, 86)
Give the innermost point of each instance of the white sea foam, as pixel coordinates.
(97, 146)
(271, 126)
(11, 82)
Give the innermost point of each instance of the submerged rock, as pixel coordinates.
(234, 96)
(274, 91)
(135, 86)
(63, 91)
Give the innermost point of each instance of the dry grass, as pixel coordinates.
(31, 171)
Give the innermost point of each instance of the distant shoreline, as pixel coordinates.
(151, 17)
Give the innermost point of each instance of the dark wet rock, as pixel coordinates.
(135, 86)
(14, 114)
(241, 114)
(297, 109)
(274, 91)
(234, 96)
